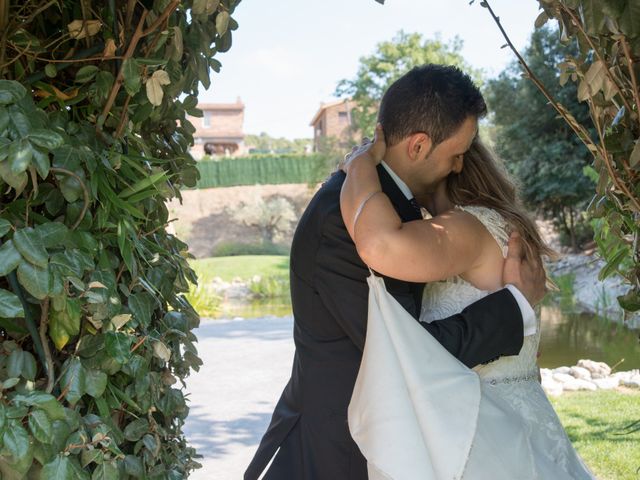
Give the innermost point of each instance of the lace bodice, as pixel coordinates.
(445, 298)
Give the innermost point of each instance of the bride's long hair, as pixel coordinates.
(484, 181)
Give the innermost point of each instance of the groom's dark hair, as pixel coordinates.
(433, 99)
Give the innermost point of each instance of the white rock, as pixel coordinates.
(551, 387)
(580, 372)
(624, 376)
(608, 383)
(597, 369)
(563, 377)
(545, 372)
(633, 382)
(578, 384)
(562, 370)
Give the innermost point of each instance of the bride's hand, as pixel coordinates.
(372, 151)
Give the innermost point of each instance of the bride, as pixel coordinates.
(440, 419)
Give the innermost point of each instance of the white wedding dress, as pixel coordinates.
(418, 413)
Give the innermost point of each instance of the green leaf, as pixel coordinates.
(16, 441)
(41, 161)
(95, 382)
(612, 263)
(10, 382)
(58, 469)
(19, 182)
(136, 429)
(20, 155)
(10, 305)
(44, 401)
(118, 346)
(40, 426)
(21, 122)
(21, 364)
(73, 380)
(34, 279)
(630, 301)
(131, 74)
(89, 456)
(50, 70)
(144, 183)
(15, 363)
(142, 306)
(106, 471)
(151, 443)
(9, 258)
(45, 138)
(70, 186)
(11, 92)
(4, 122)
(12, 325)
(53, 234)
(5, 226)
(133, 466)
(199, 7)
(86, 73)
(30, 367)
(29, 243)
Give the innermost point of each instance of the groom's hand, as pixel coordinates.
(527, 275)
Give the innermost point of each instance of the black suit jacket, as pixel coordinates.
(329, 295)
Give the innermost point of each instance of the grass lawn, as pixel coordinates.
(594, 421)
(241, 266)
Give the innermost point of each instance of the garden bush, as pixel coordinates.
(263, 170)
(96, 336)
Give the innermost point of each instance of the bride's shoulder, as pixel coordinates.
(492, 220)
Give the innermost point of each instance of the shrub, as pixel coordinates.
(271, 286)
(273, 216)
(262, 169)
(97, 331)
(232, 249)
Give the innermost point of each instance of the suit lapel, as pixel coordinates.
(402, 205)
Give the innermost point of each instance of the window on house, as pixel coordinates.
(206, 120)
(343, 116)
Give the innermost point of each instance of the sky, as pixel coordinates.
(288, 55)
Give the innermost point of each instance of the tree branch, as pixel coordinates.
(44, 322)
(564, 113)
(632, 74)
(120, 78)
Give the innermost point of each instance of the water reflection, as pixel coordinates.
(567, 336)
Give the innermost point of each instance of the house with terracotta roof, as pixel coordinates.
(334, 120)
(219, 131)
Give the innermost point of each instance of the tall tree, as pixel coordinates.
(537, 145)
(390, 60)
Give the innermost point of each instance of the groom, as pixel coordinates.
(308, 438)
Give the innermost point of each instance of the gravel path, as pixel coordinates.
(246, 365)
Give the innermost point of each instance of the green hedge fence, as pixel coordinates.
(262, 169)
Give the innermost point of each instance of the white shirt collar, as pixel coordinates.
(399, 182)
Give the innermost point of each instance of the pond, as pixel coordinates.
(567, 336)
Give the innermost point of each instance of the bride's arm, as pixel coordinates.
(420, 251)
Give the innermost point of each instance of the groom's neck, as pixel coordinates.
(399, 166)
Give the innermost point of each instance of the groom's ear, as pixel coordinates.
(419, 146)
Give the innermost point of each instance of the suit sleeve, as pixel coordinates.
(487, 329)
(482, 332)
